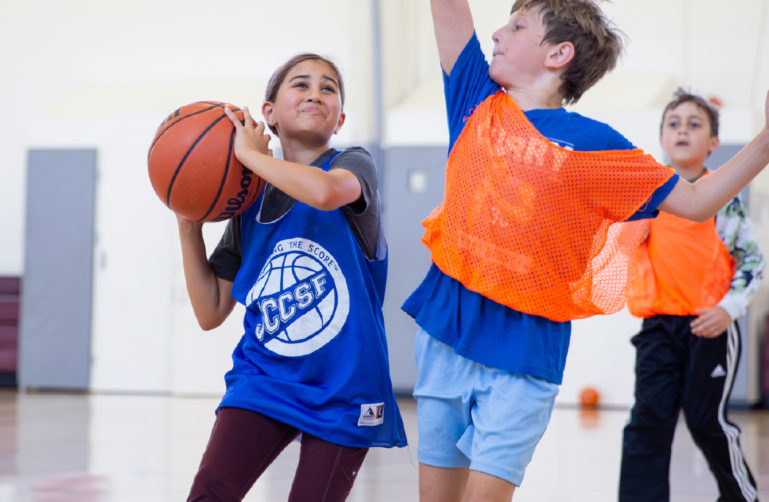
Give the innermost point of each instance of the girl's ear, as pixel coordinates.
(560, 55)
(267, 113)
(339, 123)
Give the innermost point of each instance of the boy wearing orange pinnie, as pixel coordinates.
(690, 283)
(529, 235)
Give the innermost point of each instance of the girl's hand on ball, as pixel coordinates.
(250, 136)
(187, 225)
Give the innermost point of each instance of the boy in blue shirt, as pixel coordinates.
(522, 204)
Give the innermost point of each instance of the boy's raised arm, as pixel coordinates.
(453, 25)
(702, 200)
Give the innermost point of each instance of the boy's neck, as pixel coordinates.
(535, 99)
(689, 173)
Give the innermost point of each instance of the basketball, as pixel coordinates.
(192, 166)
(589, 397)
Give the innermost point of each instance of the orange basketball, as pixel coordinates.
(589, 397)
(193, 168)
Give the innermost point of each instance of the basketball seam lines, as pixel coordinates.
(171, 124)
(187, 154)
(185, 117)
(224, 176)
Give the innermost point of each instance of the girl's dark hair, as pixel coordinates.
(277, 78)
(681, 96)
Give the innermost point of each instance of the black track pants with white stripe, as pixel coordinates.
(675, 371)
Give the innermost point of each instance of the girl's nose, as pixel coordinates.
(313, 95)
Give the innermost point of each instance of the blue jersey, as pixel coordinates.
(479, 328)
(314, 353)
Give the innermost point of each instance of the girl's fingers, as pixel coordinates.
(248, 121)
(233, 118)
(248, 118)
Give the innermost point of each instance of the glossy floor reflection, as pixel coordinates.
(128, 448)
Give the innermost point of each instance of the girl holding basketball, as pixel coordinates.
(308, 260)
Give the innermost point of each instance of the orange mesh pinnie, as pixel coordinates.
(534, 226)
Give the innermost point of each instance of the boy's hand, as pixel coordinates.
(249, 136)
(711, 322)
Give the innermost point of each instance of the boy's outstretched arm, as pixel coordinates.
(700, 201)
(453, 24)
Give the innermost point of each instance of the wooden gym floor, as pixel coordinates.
(57, 447)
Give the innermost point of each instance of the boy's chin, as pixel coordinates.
(499, 78)
(496, 78)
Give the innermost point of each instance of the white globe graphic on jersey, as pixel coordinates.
(302, 296)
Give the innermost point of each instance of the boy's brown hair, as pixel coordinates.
(681, 96)
(597, 42)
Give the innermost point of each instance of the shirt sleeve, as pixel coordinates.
(359, 162)
(736, 231)
(649, 210)
(467, 86)
(226, 258)
(364, 215)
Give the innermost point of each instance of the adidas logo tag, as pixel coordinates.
(718, 371)
(371, 414)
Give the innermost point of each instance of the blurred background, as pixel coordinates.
(102, 305)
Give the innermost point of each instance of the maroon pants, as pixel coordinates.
(244, 443)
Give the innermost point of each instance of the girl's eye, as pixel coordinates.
(300, 84)
(673, 124)
(329, 89)
(695, 125)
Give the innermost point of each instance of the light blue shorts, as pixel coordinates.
(471, 415)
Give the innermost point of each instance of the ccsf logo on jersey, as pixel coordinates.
(302, 296)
